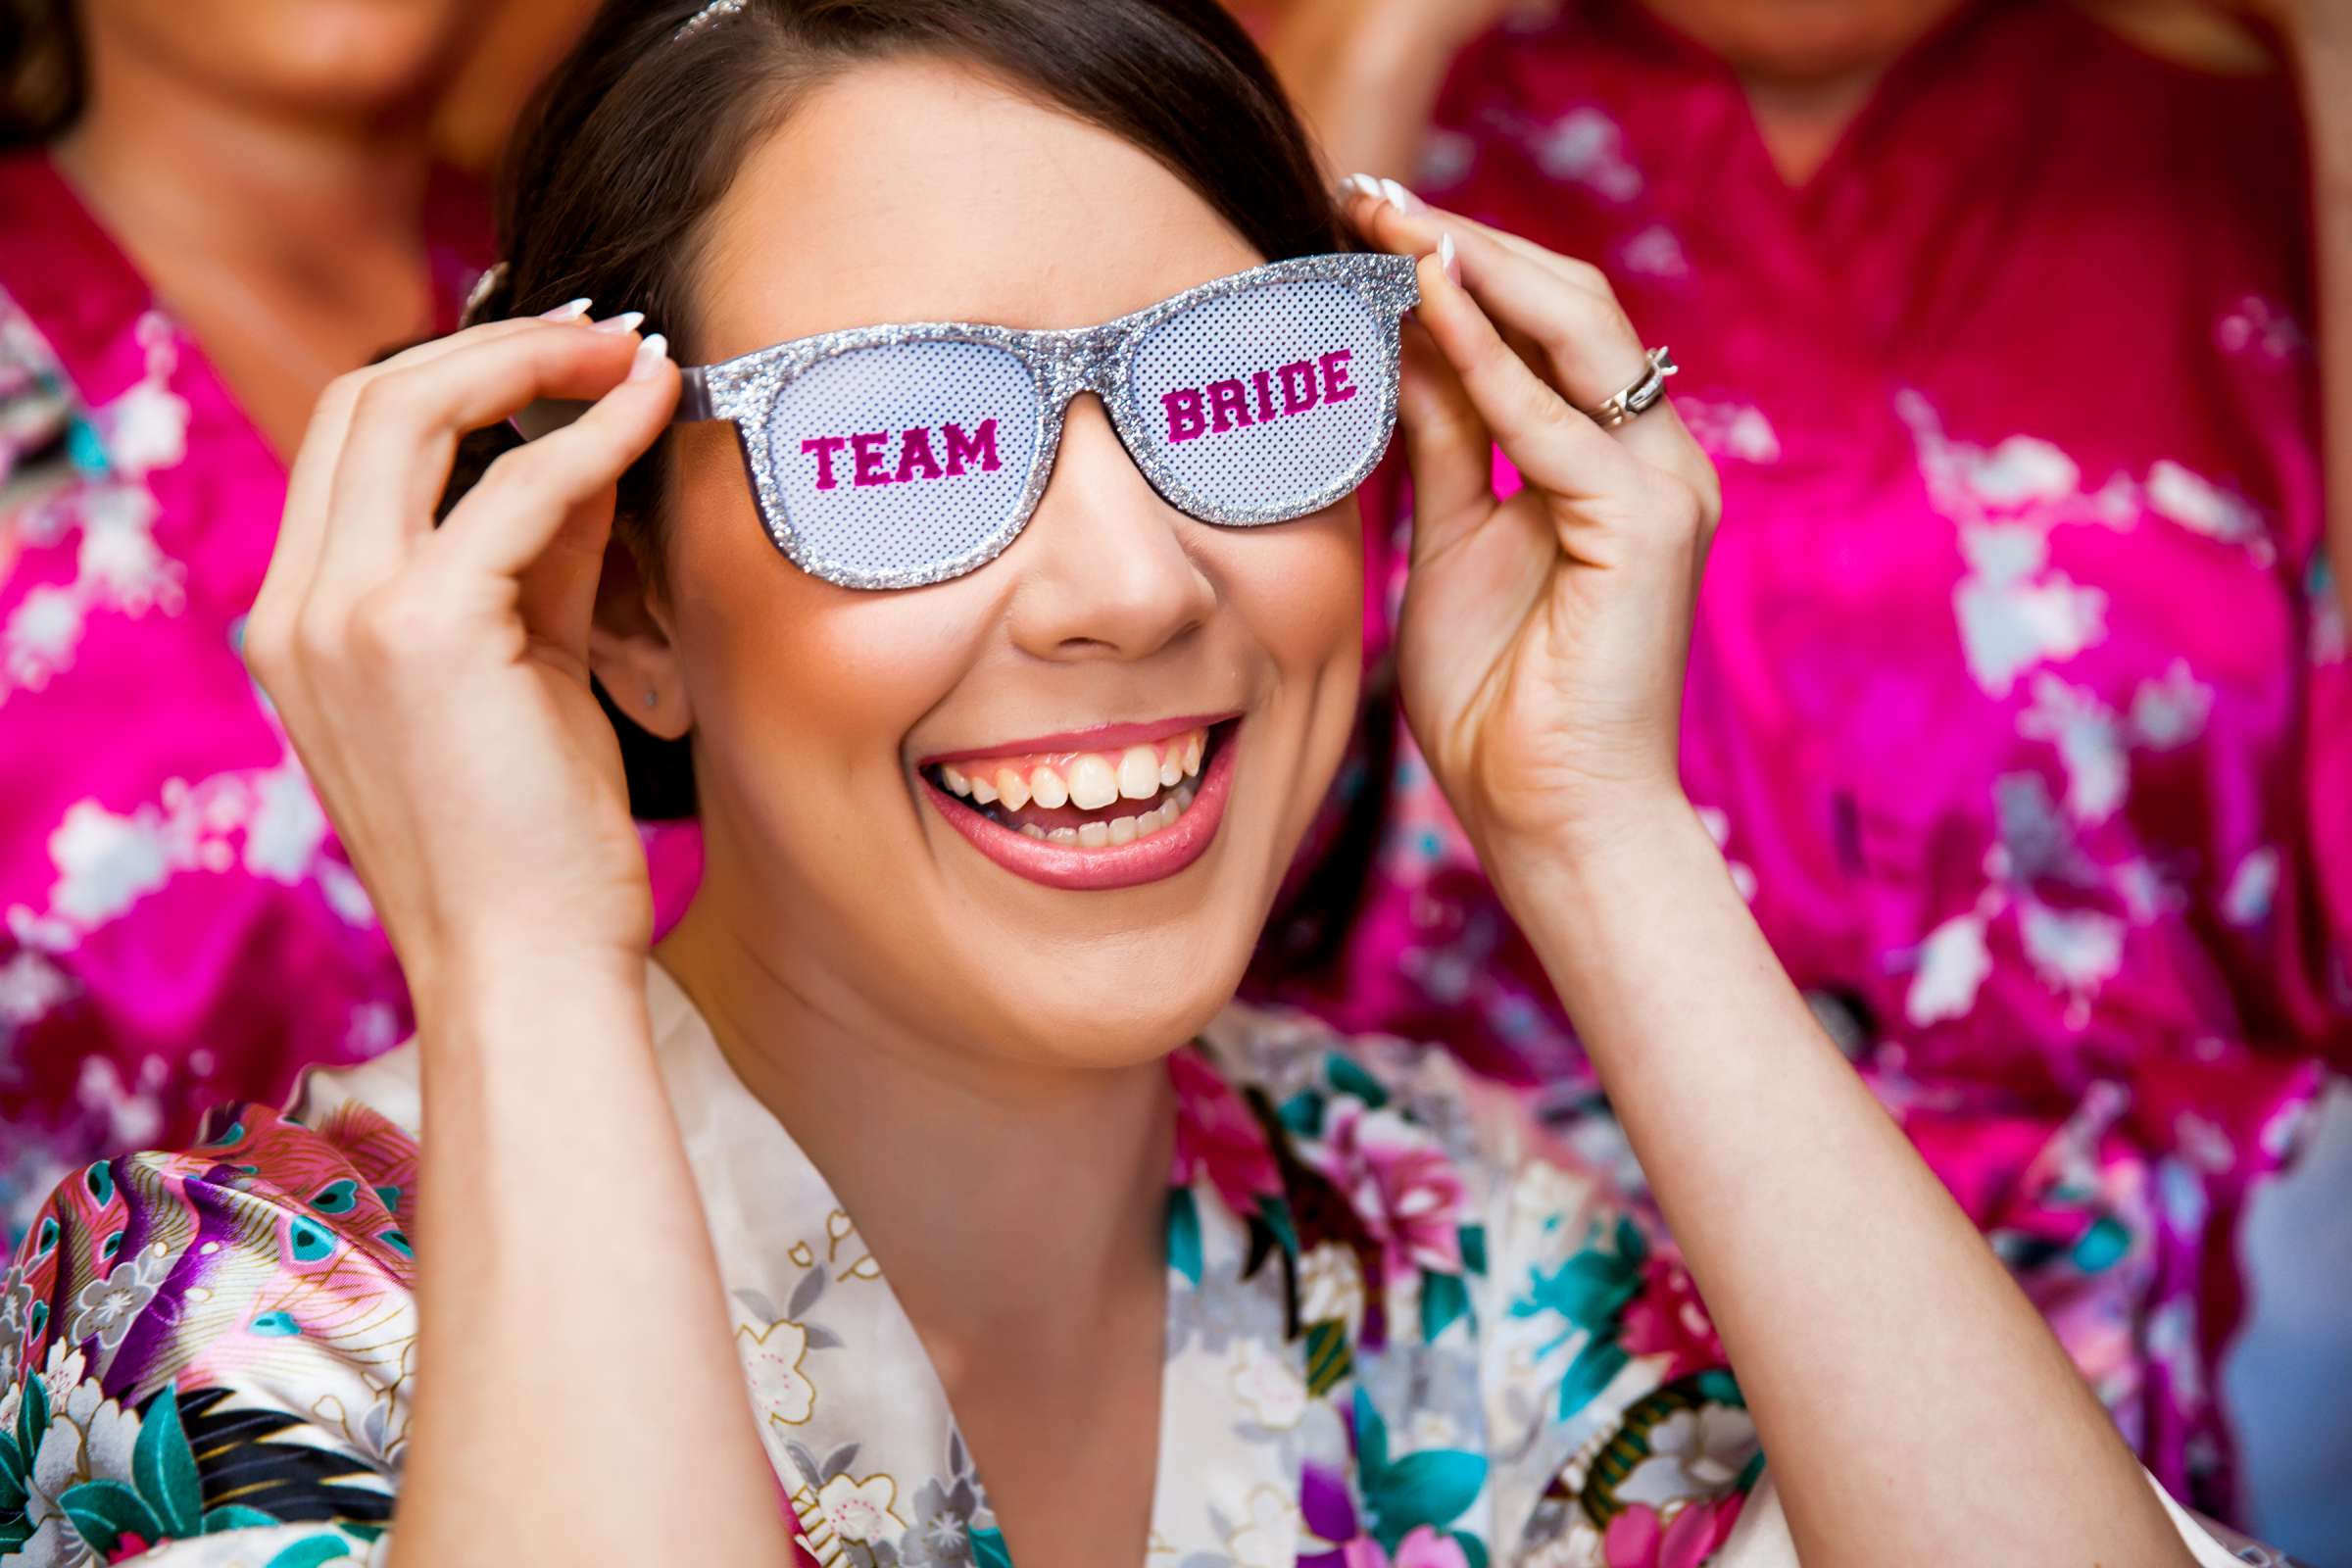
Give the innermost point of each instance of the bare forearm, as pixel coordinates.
(578, 1399)
(1366, 84)
(2324, 65)
(1913, 1405)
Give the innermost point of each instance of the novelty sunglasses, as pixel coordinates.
(891, 457)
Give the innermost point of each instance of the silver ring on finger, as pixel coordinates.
(1640, 396)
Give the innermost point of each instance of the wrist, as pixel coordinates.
(1583, 864)
(468, 986)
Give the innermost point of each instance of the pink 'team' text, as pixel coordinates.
(1222, 406)
(916, 458)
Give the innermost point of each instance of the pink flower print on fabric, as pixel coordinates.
(1400, 1183)
(1422, 1547)
(1641, 1538)
(1218, 1138)
(1668, 1318)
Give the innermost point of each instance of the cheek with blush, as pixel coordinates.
(794, 678)
(1298, 587)
(803, 694)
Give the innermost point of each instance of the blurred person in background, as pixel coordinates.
(207, 211)
(515, 46)
(1023, 1246)
(2019, 702)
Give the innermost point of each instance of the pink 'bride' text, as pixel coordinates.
(1222, 406)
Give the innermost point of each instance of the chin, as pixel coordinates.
(357, 55)
(1805, 39)
(1114, 1008)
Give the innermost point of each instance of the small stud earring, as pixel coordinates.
(652, 698)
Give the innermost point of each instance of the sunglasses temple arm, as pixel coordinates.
(694, 397)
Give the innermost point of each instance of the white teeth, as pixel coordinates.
(1092, 781)
(1138, 773)
(1046, 787)
(1093, 785)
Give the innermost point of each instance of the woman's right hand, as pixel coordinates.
(434, 681)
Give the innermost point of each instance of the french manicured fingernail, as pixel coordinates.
(1404, 201)
(625, 321)
(650, 354)
(1447, 260)
(1365, 185)
(568, 311)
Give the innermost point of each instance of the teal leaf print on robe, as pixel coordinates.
(1444, 1297)
(104, 1513)
(164, 1470)
(164, 1500)
(1590, 1292)
(1430, 1488)
(1183, 1234)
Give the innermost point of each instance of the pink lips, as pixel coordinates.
(1118, 865)
(1101, 738)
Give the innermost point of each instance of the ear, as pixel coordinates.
(630, 651)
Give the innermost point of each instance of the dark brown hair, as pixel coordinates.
(635, 139)
(41, 71)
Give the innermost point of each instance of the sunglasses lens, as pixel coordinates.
(903, 463)
(1263, 405)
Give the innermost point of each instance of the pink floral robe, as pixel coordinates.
(177, 925)
(1403, 1331)
(2019, 702)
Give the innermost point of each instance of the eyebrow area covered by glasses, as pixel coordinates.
(1228, 402)
(1212, 409)
(917, 456)
(900, 455)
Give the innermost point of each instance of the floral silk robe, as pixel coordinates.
(1401, 1335)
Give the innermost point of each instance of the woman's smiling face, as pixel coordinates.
(847, 741)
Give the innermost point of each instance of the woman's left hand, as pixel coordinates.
(1543, 636)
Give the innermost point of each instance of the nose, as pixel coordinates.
(1105, 574)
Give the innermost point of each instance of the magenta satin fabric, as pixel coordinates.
(177, 925)
(2019, 700)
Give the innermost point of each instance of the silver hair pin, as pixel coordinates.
(703, 18)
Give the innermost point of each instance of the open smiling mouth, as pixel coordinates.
(1108, 817)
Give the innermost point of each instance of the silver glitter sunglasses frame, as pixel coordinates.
(1063, 363)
